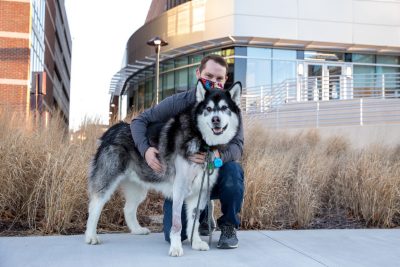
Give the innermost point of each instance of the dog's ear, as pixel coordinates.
(200, 91)
(235, 92)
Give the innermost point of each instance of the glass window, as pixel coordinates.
(168, 84)
(228, 53)
(180, 62)
(284, 54)
(214, 52)
(323, 56)
(148, 94)
(192, 76)
(390, 77)
(363, 58)
(255, 52)
(167, 65)
(195, 58)
(240, 51)
(300, 54)
(363, 84)
(258, 72)
(150, 72)
(181, 80)
(256, 94)
(383, 59)
(283, 70)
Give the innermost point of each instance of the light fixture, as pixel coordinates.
(157, 42)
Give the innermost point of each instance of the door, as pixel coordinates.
(314, 82)
(334, 73)
(323, 81)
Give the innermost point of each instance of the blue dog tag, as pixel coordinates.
(218, 162)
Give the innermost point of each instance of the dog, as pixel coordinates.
(212, 122)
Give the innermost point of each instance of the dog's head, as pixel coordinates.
(218, 113)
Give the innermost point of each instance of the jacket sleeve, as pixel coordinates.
(234, 150)
(166, 109)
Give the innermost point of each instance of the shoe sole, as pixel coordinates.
(226, 246)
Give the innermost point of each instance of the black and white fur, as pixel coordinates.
(214, 120)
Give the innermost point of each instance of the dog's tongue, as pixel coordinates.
(217, 130)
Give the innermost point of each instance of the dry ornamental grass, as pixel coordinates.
(297, 181)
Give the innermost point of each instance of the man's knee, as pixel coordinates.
(231, 176)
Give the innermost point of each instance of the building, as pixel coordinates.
(35, 57)
(335, 62)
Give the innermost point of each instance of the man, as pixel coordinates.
(229, 187)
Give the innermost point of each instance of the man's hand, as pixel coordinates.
(199, 158)
(152, 160)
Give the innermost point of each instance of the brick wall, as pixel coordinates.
(14, 54)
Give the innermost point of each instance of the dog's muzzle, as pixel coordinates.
(219, 130)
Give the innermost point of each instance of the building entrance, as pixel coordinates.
(323, 81)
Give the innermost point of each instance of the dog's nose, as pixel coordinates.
(215, 120)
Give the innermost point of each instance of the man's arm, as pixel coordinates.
(162, 112)
(158, 113)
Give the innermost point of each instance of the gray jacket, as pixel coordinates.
(169, 108)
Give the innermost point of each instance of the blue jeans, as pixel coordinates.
(228, 189)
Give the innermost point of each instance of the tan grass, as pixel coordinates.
(290, 180)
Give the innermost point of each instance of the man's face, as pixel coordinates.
(213, 72)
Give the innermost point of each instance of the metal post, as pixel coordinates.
(157, 72)
(383, 86)
(157, 42)
(287, 93)
(361, 112)
(317, 114)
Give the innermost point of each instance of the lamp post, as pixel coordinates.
(157, 42)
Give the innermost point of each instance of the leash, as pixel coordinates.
(209, 169)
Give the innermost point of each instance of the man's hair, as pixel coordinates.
(220, 60)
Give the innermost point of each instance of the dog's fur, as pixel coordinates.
(214, 120)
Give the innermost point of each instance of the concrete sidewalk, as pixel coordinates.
(256, 248)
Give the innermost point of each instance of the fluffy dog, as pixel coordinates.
(211, 123)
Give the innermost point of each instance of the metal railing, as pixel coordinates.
(326, 100)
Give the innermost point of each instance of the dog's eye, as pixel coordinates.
(223, 108)
(209, 109)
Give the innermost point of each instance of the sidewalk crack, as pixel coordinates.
(289, 247)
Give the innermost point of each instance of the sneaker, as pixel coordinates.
(228, 237)
(203, 227)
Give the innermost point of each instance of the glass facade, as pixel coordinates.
(373, 71)
(174, 3)
(37, 35)
(267, 68)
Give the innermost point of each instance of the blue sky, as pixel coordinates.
(99, 31)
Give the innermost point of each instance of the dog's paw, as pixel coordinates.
(92, 239)
(200, 245)
(140, 231)
(176, 251)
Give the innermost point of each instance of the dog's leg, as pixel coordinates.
(181, 187)
(191, 205)
(134, 195)
(176, 249)
(96, 205)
